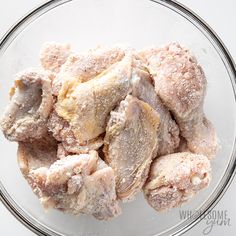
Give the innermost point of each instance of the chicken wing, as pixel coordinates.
(83, 67)
(53, 55)
(175, 178)
(168, 131)
(26, 116)
(77, 184)
(181, 84)
(131, 144)
(86, 106)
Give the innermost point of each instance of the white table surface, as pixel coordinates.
(221, 16)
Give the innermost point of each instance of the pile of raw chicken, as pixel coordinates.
(98, 127)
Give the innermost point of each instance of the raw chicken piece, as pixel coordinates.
(26, 116)
(131, 144)
(63, 133)
(83, 67)
(181, 84)
(53, 55)
(175, 178)
(36, 154)
(168, 131)
(87, 106)
(78, 184)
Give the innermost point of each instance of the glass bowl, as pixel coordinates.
(85, 24)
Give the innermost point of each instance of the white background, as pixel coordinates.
(221, 16)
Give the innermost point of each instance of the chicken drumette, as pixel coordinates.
(142, 88)
(131, 144)
(31, 102)
(181, 84)
(176, 178)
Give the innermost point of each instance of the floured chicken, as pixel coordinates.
(36, 154)
(63, 132)
(31, 102)
(53, 55)
(86, 106)
(181, 84)
(97, 127)
(176, 178)
(85, 66)
(131, 144)
(81, 68)
(77, 184)
(168, 131)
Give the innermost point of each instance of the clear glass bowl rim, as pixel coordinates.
(179, 9)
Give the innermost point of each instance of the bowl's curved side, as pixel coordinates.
(21, 217)
(25, 20)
